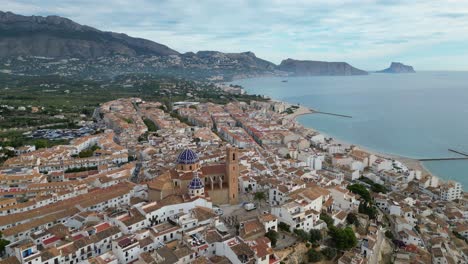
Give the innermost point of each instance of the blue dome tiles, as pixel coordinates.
(187, 156)
(196, 183)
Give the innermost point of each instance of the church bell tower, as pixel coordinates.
(232, 173)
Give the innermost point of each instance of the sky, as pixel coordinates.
(369, 34)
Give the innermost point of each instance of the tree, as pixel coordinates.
(260, 196)
(86, 153)
(352, 219)
(273, 236)
(285, 227)
(361, 190)
(343, 238)
(315, 235)
(150, 125)
(3, 243)
(379, 188)
(368, 209)
(41, 143)
(329, 253)
(303, 235)
(314, 256)
(327, 219)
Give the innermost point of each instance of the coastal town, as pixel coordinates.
(243, 182)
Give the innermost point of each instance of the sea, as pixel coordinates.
(418, 115)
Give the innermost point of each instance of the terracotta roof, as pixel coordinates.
(214, 169)
(267, 218)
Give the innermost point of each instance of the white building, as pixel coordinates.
(382, 165)
(315, 162)
(344, 199)
(450, 191)
(295, 215)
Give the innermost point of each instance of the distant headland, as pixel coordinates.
(398, 67)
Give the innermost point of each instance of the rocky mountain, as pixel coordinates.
(55, 36)
(316, 68)
(398, 67)
(36, 45)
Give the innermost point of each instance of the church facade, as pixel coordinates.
(215, 182)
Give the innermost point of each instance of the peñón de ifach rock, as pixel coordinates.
(398, 67)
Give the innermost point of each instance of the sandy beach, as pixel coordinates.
(302, 110)
(408, 162)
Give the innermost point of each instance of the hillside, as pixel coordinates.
(53, 45)
(317, 68)
(55, 36)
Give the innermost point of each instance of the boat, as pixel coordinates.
(284, 81)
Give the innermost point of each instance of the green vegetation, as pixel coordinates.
(315, 236)
(368, 209)
(367, 206)
(352, 219)
(283, 226)
(55, 101)
(80, 169)
(17, 139)
(302, 235)
(329, 253)
(150, 125)
(375, 187)
(343, 239)
(128, 120)
(181, 119)
(361, 191)
(260, 196)
(143, 137)
(327, 219)
(3, 243)
(273, 236)
(314, 256)
(86, 153)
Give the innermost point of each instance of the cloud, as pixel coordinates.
(367, 33)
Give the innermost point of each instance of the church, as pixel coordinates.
(215, 182)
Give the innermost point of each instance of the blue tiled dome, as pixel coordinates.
(187, 156)
(196, 183)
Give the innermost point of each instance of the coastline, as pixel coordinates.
(410, 163)
(302, 110)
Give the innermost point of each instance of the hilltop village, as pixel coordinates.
(242, 182)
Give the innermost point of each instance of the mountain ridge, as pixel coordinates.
(55, 36)
(59, 37)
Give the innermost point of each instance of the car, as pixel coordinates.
(249, 206)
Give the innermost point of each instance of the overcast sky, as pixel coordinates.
(369, 34)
